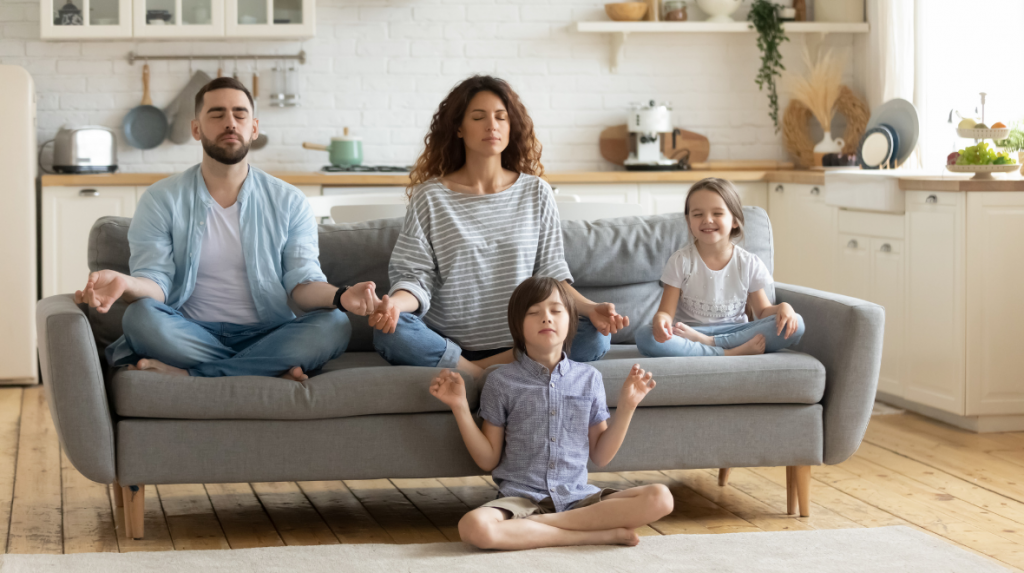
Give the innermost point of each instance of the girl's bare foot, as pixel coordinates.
(749, 348)
(153, 365)
(683, 331)
(623, 536)
(295, 375)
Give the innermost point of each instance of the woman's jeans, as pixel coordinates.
(413, 343)
(726, 336)
(155, 330)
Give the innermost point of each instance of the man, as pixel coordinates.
(216, 252)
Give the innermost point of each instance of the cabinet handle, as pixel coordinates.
(779, 189)
(815, 191)
(886, 248)
(88, 193)
(554, 190)
(932, 199)
(852, 244)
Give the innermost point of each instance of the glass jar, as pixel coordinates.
(674, 11)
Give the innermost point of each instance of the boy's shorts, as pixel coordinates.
(523, 507)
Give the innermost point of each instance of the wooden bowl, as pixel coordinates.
(626, 11)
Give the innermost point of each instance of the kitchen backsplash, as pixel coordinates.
(381, 68)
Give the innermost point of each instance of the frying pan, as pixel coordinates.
(145, 126)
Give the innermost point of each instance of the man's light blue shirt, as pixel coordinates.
(279, 238)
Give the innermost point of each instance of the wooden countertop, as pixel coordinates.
(1011, 182)
(363, 179)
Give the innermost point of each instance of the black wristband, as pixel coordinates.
(337, 297)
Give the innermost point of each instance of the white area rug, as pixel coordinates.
(880, 550)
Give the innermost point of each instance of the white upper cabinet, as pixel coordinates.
(85, 19)
(271, 18)
(179, 19)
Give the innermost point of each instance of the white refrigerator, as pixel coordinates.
(17, 227)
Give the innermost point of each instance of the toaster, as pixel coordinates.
(89, 149)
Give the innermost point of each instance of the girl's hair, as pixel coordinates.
(532, 291)
(445, 151)
(728, 193)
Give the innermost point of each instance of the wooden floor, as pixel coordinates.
(965, 488)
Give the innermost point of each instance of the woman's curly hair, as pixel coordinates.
(445, 152)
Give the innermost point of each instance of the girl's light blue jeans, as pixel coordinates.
(155, 330)
(726, 336)
(413, 343)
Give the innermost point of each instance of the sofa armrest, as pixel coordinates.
(844, 334)
(73, 378)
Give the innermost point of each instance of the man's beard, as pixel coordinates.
(223, 155)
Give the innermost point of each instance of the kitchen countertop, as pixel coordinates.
(1012, 182)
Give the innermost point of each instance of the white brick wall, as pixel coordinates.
(381, 67)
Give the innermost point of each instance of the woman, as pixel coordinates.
(480, 221)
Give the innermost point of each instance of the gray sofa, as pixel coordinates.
(362, 418)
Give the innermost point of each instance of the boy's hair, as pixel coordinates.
(728, 193)
(530, 292)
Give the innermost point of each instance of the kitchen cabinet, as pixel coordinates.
(870, 265)
(804, 232)
(936, 305)
(994, 306)
(177, 19)
(602, 192)
(661, 198)
(67, 215)
(85, 19)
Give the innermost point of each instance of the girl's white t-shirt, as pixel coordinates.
(714, 297)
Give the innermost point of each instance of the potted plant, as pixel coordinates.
(764, 18)
(1014, 142)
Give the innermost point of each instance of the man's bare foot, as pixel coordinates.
(152, 365)
(683, 331)
(295, 375)
(749, 348)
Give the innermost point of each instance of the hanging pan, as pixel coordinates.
(145, 126)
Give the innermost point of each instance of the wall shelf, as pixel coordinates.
(621, 30)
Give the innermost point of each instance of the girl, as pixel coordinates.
(709, 283)
(480, 221)
(544, 416)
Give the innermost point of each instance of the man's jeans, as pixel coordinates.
(726, 336)
(413, 343)
(155, 330)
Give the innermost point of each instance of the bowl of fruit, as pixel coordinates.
(974, 130)
(981, 160)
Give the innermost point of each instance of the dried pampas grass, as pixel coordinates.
(819, 90)
(795, 126)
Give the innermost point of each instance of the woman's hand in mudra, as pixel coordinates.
(606, 320)
(385, 317)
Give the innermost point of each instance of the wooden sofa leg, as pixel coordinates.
(134, 510)
(803, 488)
(118, 497)
(723, 476)
(791, 493)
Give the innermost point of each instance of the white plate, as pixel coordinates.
(901, 115)
(983, 171)
(972, 133)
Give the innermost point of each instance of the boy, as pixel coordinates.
(549, 413)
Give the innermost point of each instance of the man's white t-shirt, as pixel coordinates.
(222, 291)
(714, 297)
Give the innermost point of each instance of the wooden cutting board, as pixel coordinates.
(614, 144)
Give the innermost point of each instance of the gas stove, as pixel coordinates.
(367, 169)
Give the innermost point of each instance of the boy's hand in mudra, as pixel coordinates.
(450, 388)
(637, 385)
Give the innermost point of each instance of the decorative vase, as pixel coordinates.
(827, 145)
(719, 10)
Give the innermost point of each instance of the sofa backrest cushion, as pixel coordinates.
(613, 260)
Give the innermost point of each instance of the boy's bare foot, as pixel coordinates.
(749, 348)
(153, 365)
(295, 375)
(623, 536)
(683, 331)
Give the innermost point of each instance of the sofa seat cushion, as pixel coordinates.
(355, 384)
(362, 383)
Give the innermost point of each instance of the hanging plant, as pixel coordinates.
(764, 17)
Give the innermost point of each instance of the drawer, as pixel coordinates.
(946, 198)
(871, 224)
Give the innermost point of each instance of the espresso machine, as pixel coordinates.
(646, 125)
